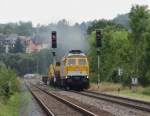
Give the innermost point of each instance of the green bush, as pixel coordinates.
(93, 77)
(145, 81)
(8, 81)
(10, 108)
(147, 91)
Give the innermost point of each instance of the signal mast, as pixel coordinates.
(98, 46)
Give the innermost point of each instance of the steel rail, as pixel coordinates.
(117, 100)
(43, 106)
(74, 106)
(120, 97)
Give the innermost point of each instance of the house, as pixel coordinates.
(32, 47)
(8, 41)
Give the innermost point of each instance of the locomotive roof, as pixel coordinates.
(81, 54)
(74, 53)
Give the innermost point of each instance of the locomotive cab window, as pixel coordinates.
(71, 62)
(82, 62)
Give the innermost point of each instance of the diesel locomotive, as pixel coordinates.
(71, 72)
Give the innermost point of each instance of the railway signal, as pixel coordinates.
(54, 45)
(54, 39)
(98, 38)
(98, 45)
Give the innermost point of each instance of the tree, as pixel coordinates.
(8, 81)
(122, 19)
(101, 24)
(139, 22)
(145, 62)
(18, 47)
(9, 28)
(28, 63)
(2, 49)
(115, 53)
(25, 28)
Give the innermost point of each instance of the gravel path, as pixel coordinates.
(115, 109)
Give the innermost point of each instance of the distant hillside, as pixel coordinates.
(122, 19)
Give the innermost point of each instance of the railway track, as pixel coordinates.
(137, 104)
(54, 105)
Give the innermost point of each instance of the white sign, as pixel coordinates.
(134, 81)
(120, 71)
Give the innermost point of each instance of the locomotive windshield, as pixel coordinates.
(71, 61)
(82, 62)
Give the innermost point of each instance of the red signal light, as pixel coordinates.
(98, 38)
(54, 39)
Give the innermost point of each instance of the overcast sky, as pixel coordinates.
(46, 11)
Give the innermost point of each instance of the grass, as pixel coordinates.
(10, 107)
(25, 99)
(141, 93)
(16, 103)
(135, 95)
(105, 87)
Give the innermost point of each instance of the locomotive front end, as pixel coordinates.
(77, 71)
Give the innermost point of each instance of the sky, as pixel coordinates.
(51, 11)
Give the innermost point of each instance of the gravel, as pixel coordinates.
(115, 109)
(34, 109)
(76, 102)
(85, 106)
(57, 107)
